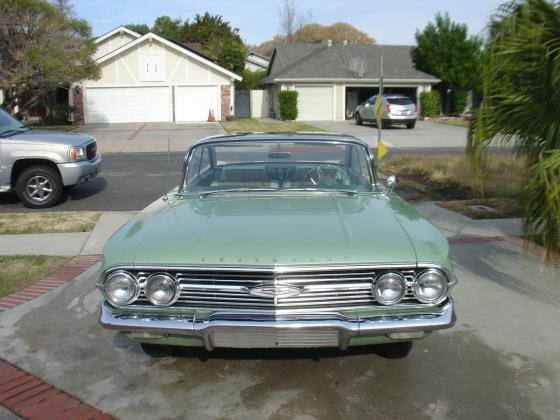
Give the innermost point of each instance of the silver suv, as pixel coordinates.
(38, 165)
(399, 109)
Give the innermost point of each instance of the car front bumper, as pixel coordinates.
(319, 330)
(77, 172)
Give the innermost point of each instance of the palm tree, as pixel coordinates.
(521, 106)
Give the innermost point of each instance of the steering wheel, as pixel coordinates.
(326, 176)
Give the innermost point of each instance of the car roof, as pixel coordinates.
(294, 136)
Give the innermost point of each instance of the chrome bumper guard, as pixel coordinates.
(293, 332)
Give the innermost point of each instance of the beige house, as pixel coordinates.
(147, 78)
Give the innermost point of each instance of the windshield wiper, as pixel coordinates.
(235, 190)
(323, 190)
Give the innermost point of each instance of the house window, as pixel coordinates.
(152, 66)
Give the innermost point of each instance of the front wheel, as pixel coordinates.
(396, 350)
(359, 120)
(39, 187)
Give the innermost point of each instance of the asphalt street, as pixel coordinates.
(131, 181)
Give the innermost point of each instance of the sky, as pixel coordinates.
(387, 21)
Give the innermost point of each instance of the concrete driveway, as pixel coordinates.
(501, 360)
(425, 135)
(148, 137)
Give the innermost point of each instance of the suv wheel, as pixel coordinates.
(39, 187)
(410, 125)
(359, 120)
(396, 350)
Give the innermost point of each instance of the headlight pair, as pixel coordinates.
(122, 288)
(430, 286)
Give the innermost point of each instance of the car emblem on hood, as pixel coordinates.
(275, 291)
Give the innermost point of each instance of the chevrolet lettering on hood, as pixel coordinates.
(284, 240)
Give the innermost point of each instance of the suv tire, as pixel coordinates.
(359, 120)
(410, 125)
(39, 187)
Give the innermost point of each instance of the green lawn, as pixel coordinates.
(48, 222)
(251, 125)
(18, 271)
(457, 123)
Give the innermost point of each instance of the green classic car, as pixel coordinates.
(280, 240)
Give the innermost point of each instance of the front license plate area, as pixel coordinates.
(274, 338)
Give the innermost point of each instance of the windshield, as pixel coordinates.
(278, 165)
(9, 125)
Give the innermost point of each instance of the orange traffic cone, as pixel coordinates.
(211, 116)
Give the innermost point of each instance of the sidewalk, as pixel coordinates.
(451, 224)
(66, 244)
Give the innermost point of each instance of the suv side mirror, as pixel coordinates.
(392, 182)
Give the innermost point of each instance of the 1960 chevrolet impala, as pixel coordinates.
(278, 240)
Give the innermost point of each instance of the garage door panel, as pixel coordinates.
(315, 103)
(130, 104)
(192, 103)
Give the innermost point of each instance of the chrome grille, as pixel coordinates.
(91, 151)
(271, 338)
(231, 289)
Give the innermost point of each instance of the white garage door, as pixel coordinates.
(127, 104)
(315, 103)
(192, 103)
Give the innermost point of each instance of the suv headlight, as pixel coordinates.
(77, 153)
(121, 288)
(430, 286)
(161, 289)
(389, 288)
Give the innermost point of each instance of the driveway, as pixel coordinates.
(501, 360)
(148, 137)
(425, 135)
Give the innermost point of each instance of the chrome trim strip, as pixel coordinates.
(441, 317)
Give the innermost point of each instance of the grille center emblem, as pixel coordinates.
(275, 291)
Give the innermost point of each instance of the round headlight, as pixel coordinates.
(430, 286)
(389, 288)
(161, 289)
(121, 288)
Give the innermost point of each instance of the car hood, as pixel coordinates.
(267, 230)
(52, 137)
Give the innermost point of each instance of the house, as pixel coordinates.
(331, 80)
(148, 78)
(256, 62)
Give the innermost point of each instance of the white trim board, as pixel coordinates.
(117, 30)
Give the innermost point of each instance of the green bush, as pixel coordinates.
(59, 114)
(429, 104)
(288, 104)
(460, 101)
(251, 80)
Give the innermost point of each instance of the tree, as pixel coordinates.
(41, 49)
(521, 106)
(141, 28)
(219, 41)
(251, 79)
(337, 32)
(445, 50)
(65, 6)
(291, 20)
(168, 28)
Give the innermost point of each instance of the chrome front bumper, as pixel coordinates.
(335, 331)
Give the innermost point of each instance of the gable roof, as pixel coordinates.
(318, 61)
(118, 29)
(182, 49)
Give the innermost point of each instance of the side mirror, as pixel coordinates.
(392, 182)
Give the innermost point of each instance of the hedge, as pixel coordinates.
(288, 104)
(429, 104)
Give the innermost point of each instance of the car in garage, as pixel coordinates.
(283, 240)
(39, 164)
(398, 109)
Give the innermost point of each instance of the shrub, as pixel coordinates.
(460, 101)
(251, 80)
(59, 114)
(288, 104)
(429, 104)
